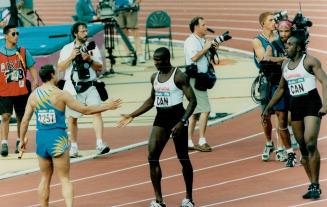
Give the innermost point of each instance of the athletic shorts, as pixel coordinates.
(306, 105)
(127, 20)
(51, 142)
(168, 117)
(8, 103)
(90, 97)
(284, 103)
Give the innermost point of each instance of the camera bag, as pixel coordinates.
(101, 88)
(206, 80)
(191, 70)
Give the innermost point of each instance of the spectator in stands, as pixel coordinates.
(85, 11)
(14, 63)
(127, 18)
(82, 88)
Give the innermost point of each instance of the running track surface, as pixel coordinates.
(231, 175)
(240, 17)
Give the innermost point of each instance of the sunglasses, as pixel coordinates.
(14, 34)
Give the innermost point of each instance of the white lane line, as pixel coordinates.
(311, 203)
(164, 178)
(260, 194)
(132, 167)
(203, 187)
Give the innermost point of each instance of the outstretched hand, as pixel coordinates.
(126, 119)
(114, 104)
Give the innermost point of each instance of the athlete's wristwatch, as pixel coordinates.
(184, 121)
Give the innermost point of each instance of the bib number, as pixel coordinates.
(296, 87)
(163, 99)
(46, 117)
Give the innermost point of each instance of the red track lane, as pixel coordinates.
(231, 175)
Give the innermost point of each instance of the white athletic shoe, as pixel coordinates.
(73, 152)
(102, 148)
(141, 59)
(187, 203)
(155, 204)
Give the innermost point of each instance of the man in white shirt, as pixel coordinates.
(81, 85)
(196, 47)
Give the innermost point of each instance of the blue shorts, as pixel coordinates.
(284, 103)
(51, 142)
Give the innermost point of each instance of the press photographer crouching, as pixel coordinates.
(81, 60)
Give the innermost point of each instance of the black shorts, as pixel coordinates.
(168, 117)
(307, 105)
(8, 103)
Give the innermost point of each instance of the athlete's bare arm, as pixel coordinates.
(259, 51)
(314, 65)
(77, 106)
(146, 106)
(182, 82)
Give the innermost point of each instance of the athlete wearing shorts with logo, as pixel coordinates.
(48, 103)
(51, 135)
(169, 87)
(300, 73)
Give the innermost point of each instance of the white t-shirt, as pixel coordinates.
(192, 46)
(65, 53)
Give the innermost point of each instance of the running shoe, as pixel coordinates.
(141, 59)
(281, 155)
(102, 148)
(267, 151)
(291, 160)
(313, 192)
(17, 146)
(156, 204)
(4, 150)
(203, 148)
(187, 203)
(73, 152)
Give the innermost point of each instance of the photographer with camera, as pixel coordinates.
(80, 65)
(196, 51)
(271, 67)
(300, 74)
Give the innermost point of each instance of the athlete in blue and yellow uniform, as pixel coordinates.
(48, 102)
(51, 135)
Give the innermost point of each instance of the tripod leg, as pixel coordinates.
(110, 45)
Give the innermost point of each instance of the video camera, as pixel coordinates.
(109, 8)
(80, 65)
(106, 8)
(300, 23)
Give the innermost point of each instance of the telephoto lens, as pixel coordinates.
(222, 38)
